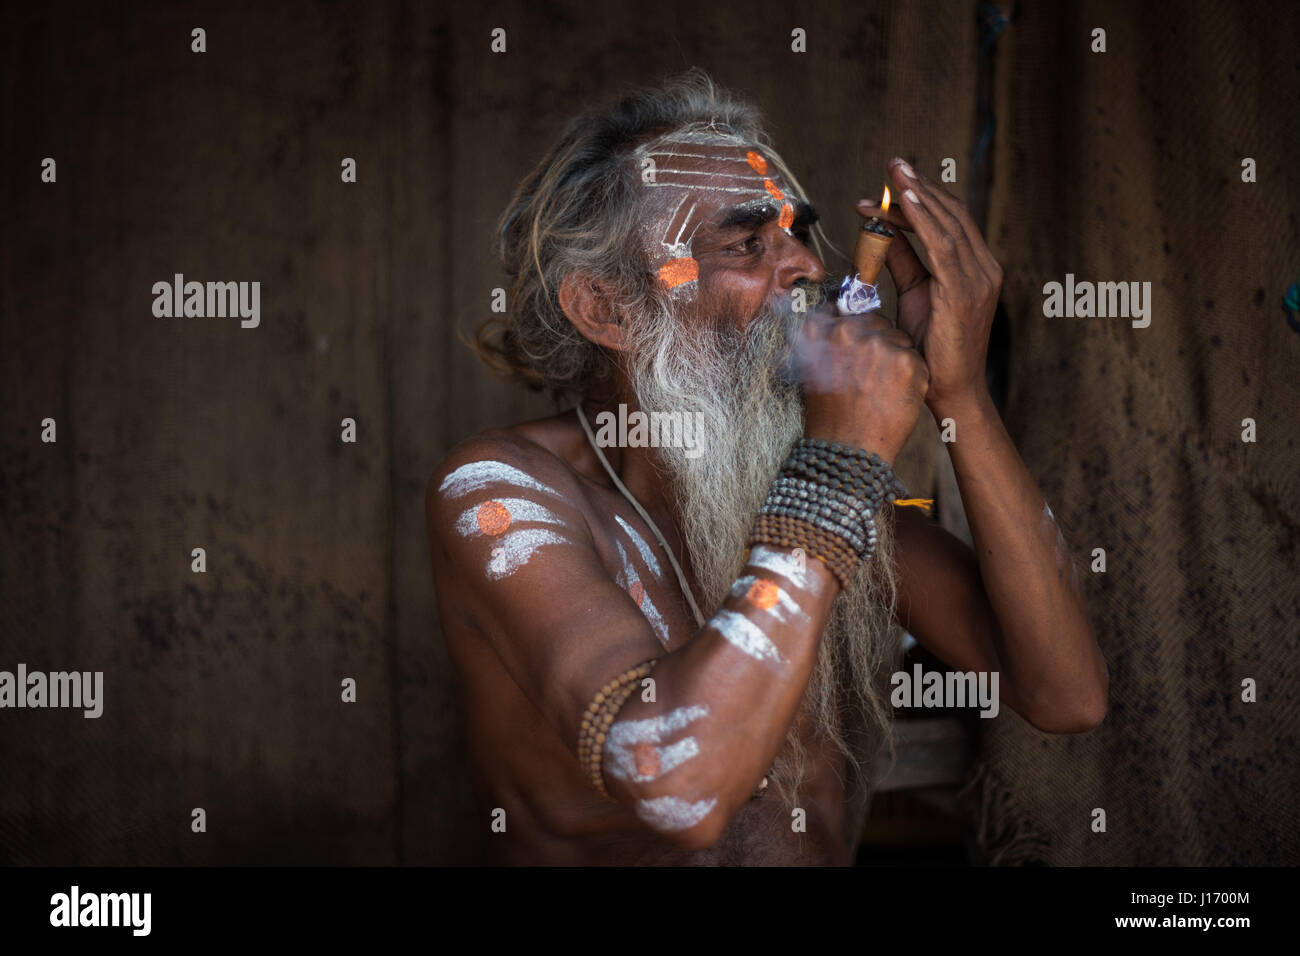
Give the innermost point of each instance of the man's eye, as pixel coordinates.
(744, 245)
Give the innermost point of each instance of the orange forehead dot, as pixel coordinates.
(493, 517)
(762, 594)
(757, 162)
(646, 758)
(678, 271)
(787, 215)
(772, 188)
(637, 590)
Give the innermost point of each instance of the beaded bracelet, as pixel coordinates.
(600, 714)
(825, 500)
(785, 532)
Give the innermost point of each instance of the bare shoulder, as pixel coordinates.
(503, 460)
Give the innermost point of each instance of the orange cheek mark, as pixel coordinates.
(677, 271)
(493, 518)
(787, 216)
(762, 594)
(772, 189)
(756, 162)
(646, 759)
(637, 590)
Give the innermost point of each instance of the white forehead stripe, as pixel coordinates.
(476, 475)
(778, 562)
(516, 548)
(708, 137)
(745, 635)
(647, 555)
(785, 607)
(519, 509)
(674, 813)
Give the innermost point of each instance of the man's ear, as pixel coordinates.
(585, 300)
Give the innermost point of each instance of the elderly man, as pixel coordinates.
(678, 651)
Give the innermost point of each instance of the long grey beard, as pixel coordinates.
(752, 415)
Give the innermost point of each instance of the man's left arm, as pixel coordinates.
(1015, 605)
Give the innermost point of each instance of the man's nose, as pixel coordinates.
(798, 261)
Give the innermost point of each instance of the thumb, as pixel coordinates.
(904, 265)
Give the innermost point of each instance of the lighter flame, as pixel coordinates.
(884, 203)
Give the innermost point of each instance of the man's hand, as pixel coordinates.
(864, 383)
(948, 313)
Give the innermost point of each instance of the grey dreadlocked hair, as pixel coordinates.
(577, 211)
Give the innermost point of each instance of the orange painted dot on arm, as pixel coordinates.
(646, 759)
(762, 594)
(637, 590)
(493, 518)
(675, 272)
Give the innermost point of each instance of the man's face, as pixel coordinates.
(723, 231)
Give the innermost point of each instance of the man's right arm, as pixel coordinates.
(505, 533)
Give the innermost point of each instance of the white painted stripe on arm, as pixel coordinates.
(520, 509)
(674, 813)
(745, 635)
(785, 607)
(476, 475)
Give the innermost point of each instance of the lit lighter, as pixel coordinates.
(858, 291)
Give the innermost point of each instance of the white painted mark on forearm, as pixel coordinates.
(745, 635)
(674, 813)
(765, 595)
(644, 762)
(779, 562)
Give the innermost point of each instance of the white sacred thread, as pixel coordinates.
(674, 813)
(785, 607)
(475, 475)
(745, 635)
(519, 509)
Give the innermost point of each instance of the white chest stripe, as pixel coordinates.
(642, 548)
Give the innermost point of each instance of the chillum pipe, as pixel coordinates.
(869, 253)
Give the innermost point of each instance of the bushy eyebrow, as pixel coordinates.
(750, 215)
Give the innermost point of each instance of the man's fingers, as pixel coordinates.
(940, 197)
(898, 337)
(869, 207)
(931, 225)
(904, 265)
